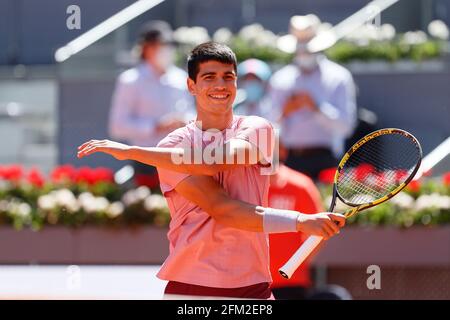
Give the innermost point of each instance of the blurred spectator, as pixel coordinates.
(151, 99)
(253, 80)
(314, 99)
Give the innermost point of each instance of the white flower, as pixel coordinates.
(155, 201)
(23, 210)
(142, 193)
(438, 29)
(63, 197)
(387, 32)
(191, 36)
(432, 200)
(101, 204)
(46, 202)
(129, 198)
(223, 35)
(250, 32)
(403, 200)
(87, 202)
(414, 37)
(266, 39)
(115, 209)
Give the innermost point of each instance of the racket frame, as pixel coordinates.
(359, 207)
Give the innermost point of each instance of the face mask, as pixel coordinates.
(165, 57)
(254, 90)
(307, 61)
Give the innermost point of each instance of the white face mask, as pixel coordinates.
(307, 61)
(165, 57)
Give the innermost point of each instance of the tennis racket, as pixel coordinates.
(373, 170)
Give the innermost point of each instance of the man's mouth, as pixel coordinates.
(219, 96)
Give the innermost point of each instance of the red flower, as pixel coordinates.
(327, 175)
(85, 174)
(102, 174)
(446, 179)
(12, 173)
(414, 186)
(36, 178)
(64, 173)
(363, 170)
(400, 175)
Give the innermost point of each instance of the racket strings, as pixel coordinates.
(377, 167)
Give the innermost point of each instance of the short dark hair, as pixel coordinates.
(209, 51)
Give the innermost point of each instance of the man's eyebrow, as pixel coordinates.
(211, 73)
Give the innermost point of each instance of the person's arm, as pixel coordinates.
(123, 124)
(245, 216)
(237, 152)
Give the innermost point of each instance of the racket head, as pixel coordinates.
(376, 168)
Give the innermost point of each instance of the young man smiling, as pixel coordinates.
(220, 220)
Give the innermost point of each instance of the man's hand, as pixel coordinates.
(298, 101)
(115, 149)
(324, 224)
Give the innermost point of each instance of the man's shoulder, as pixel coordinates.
(177, 138)
(129, 76)
(339, 72)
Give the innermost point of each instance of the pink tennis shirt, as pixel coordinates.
(202, 251)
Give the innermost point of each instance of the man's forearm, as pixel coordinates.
(179, 160)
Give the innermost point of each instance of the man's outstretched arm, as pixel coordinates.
(236, 152)
(241, 215)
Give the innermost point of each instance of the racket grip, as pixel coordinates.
(299, 256)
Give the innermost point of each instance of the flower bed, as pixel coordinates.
(75, 197)
(423, 202)
(89, 197)
(367, 43)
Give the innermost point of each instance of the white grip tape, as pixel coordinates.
(299, 256)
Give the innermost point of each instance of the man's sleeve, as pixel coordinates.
(170, 179)
(259, 132)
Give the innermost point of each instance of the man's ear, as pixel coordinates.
(191, 86)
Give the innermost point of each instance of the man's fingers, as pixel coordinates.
(333, 226)
(327, 232)
(89, 142)
(89, 150)
(339, 219)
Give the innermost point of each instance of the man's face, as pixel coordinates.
(215, 86)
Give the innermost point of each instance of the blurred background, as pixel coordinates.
(78, 224)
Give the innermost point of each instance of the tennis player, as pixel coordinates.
(218, 201)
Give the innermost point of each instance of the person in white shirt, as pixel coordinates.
(314, 104)
(151, 99)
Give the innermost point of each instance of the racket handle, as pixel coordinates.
(299, 256)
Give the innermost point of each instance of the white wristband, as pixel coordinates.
(279, 221)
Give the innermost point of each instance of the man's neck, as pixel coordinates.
(214, 121)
